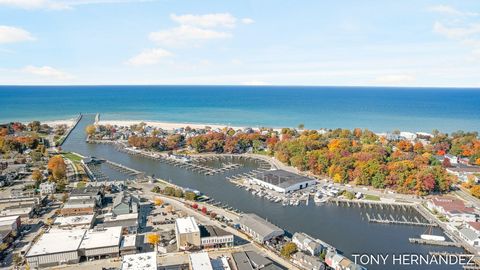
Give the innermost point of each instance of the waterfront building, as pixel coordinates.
(307, 261)
(76, 207)
(307, 243)
(470, 236)
(142, 261)
(80, 222)
(282, 181)
(213, 237)
(125, 203)
(339, 262)
(101, 243)
(200, 261)
(55, 247)
(47, 188)
(454, 209)
(187, 233)
(258, 228)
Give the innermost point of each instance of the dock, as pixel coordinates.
(433, 242)
(390, 219)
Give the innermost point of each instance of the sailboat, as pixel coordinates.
(429, 236)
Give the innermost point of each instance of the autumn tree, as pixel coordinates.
(153, 239)
(90, 130)
(475, 190)
(37, 175)
(288, 249)
(57, 167)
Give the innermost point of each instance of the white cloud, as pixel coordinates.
(394, 79)
(207, 20)
(247, 21)
(10, 34)
(186, 34)
(149, 57)
(449, 10)
(456, 32)
(46, 71)
(60, 4)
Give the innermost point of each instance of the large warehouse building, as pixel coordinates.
(282, 181)
(187, 233)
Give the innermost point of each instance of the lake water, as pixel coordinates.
(379, 109)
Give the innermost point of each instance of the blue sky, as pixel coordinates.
(259, 42)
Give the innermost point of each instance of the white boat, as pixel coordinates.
(432, 237)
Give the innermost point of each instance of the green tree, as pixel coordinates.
(191, 196)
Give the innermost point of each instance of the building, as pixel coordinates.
(258, 228)
(307, 261)
(125, 203)
(55, 247)
(142, 261)
(21, 192)
(339, 262)
(8, 226)
(464, 172)
(187, 233)
(76, 207)
(250, 260)
(128, 245)
(282, 181)
(200, 261)
(80, 222)
(101, 243)
(47, 188)
(307, 243)
(470, 236)
(454, 209)
(128, 222)
(213, 237)
(89, 192)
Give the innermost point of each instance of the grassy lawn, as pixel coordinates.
(73, 157)
(372, 197)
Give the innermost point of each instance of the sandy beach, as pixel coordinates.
(162, 125)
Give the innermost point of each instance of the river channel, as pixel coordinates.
(343, 227)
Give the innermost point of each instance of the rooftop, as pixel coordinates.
(451, 204)
(212, 231)
(8, 220)
(469, 234)
(258, 224)
(186, 225)
(281, 178)
(75, 203)
(200, 261)
(57, 241)
(74, 220)
(141, 261)
(97, 238)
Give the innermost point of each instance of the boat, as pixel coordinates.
(432, 237)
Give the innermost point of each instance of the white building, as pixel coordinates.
(55, 247)
(282, 181)
(306, 243)
(47, 188)
(142, 261)
(101, 243)
(213, 237)
(187, 233)
(258, 228)
(200, 261)
(470, 236)
(81, 222)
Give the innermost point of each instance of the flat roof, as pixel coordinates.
(141, 261)
(121, 217)
(259, 225)
(282, 178)
(105, 237)
(8, 220)
(211, 231)
(186, 225)
(74, 220)
(57, 241)
(200, 261)
(75, 203)
(129, 240)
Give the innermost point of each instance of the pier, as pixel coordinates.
(433, 242)
(62, 140)
(401, 221)
(122, 168)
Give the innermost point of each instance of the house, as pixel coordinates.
(340, 262)
(125, 203)
(454, 209)
(187, 233)
(258, 228)
(282, 181)
(308, 244)
(307, 261)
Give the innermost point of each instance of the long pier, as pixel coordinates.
(64, 138)
(433, 242)
(403, 221)
(123, 168)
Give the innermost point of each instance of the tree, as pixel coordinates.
(195, 206)
(301, 126)
(475, 190)
(213, 214)
(288, 249)
(191, 196)
(17, 259)
(57, 167)
(204, 210)
(90, 130)
(153, 239)
(446, 163)
(158, 201)
(178, 193)
(3, 246)
(37, 175)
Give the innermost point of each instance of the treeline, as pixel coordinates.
(219, 142)
(171, 142)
